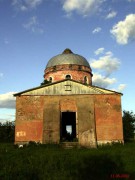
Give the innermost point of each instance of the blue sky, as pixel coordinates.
(33, 31)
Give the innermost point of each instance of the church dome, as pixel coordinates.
(68, 66)
(67, 57)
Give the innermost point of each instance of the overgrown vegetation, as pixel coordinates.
(7, 131)
(128, 125)
(45, 82)
(50, 162)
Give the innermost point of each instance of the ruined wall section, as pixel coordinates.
(98, 118)
(53, 107)
(86, 121)
(108, 116)
(83, 105)
(29, 118)
(51, 119)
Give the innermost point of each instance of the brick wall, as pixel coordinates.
(77, 73)
(108, 117)
(29, 118)
(38, 118)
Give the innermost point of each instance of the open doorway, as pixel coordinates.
(68, 126)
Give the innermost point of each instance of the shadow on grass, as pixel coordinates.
(100, 167)
(53, 163)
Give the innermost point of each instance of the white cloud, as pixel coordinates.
(99, 51)
(102, 81)
(24, 5)
(121, 87)
(33, 3)
(83, 7)
(33, 25)
(31, 22)
(7, 100)
(1, 75)
(124, 31)
(109, 53)
(7, 117)
(107, 63)
(96, 30)
(111, 15)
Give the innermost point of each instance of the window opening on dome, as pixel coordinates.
(80, 68)
(54, 68)
(68, 76)
(85, 80)
(50, 79)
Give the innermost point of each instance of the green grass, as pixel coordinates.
(50, 162)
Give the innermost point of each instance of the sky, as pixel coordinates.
(33, 31)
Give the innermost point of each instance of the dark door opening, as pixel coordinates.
(68, 126)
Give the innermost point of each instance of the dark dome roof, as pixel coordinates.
(67, 57)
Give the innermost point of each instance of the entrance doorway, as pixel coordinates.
(68, 126)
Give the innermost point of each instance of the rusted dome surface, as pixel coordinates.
(67, 57)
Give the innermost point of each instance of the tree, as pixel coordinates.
(7, 131)
(128, 125)
(45, 82)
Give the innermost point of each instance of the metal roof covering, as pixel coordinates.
(67, 57)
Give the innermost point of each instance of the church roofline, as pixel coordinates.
(108, 90)
(96, 88)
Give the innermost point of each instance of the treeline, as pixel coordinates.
(7, 129)
(128, 125)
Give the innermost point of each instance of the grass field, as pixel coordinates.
(50, 162)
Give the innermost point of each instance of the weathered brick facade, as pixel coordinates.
(108, 118)
(98, 118)
(44, 113)
(29, 118)
(77, 72)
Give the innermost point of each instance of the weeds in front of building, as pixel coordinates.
(50, 161)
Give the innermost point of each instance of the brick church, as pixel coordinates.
(66, 107)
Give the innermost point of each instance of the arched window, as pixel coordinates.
(85, 80)
(79, 67)
(50, 79)
(54, 68)
(68, 76)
